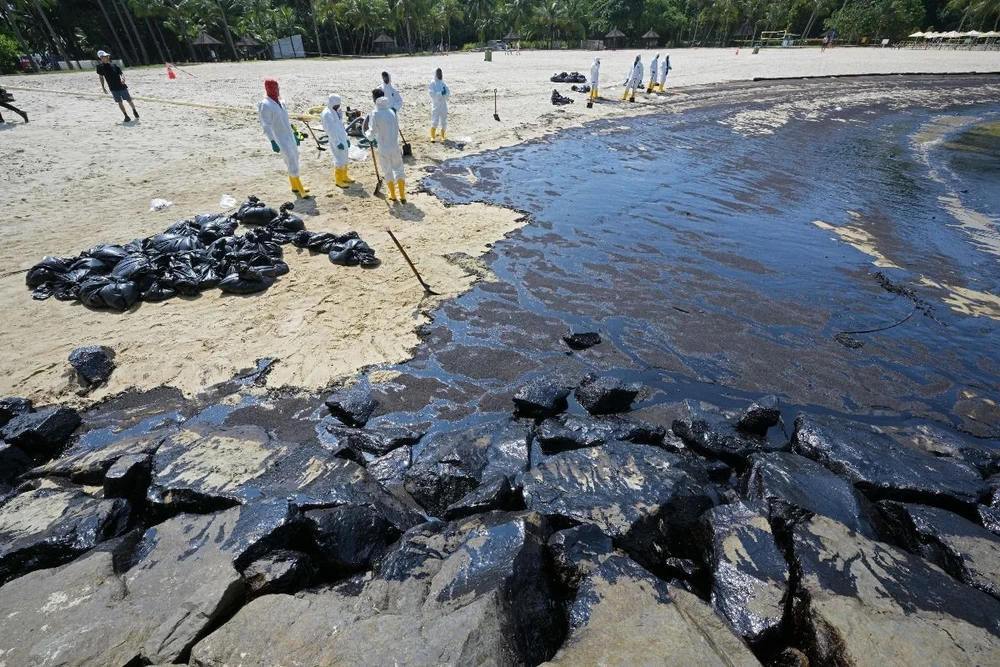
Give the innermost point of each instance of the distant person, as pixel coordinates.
(277, 127)
(395, 100)
(825, 43)
(595, 78)
(665, 68)
(383, 132)
(215, 58)
(111, 77)
(654, 71)
(333, 123)
(5, 102)
(439, 104)
(633, 80)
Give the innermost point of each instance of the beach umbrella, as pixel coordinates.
(249, 42)
(614, 36)
(384, 41)
(952, 34)
(206, 40)
(972, 33)
(917, 34)
(511, 36)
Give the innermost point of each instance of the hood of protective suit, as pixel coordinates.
(597, 61)
(382, 103)
(271, 87)
(332, 101)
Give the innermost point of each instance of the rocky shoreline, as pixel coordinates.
(568, 531)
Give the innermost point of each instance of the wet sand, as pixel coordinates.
(75, 176)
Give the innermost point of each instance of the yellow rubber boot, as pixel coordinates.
(339, 181)
(402, 190)
(297, 186)
(433, 133)
(442, 135)
(625, 95)
(649, 89)
(343, 173)
(392, 190)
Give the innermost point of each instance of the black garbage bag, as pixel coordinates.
(559, 78)
(260, 241)
(183, 228)
(558, 99)
(134, 266)
(109, 292)
(181, 277)
(214, 227)
(46, 270)
(279, 268)
(157, 292)
(254, 212)
(168, 244)
(351, 253)
(322, 241)
(245, 280)
(580, 89)
(576, 77)
(107, 253)
(64, 287)
(91, 265)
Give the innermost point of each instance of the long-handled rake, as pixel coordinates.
(496, 112)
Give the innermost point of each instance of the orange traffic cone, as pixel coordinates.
(170, 72)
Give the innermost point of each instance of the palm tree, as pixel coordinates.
(552, 13)
(183, 19)
(149, 10)
(7, 12)
(57, 42)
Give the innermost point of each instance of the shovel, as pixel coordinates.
(378, 179)
(319, 146)
(496, 113)
(407, 149)
(427, 288)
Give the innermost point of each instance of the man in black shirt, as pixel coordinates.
(111, 73)
(5, 102)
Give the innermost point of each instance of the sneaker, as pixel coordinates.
(127, 119)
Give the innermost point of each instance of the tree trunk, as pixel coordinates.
(55, 38)
(319, 47)
(166, 47)
(134, 54)
(138, 37)
(809, 25)
(229, 34)
(111, 27)
(336, 33)
(156, 42)
(19, 37)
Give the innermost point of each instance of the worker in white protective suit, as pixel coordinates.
(664, 69)
(383, 132)
(339, 143)
(395, 100)
(595, 78)
(274, 119)
(654, 71)
(439, 104)
(633, 81)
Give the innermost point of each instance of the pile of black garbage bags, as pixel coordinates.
(558, 99)
(192, 256)
(572, 77)
(580, 89)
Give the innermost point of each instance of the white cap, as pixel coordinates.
(101, 54)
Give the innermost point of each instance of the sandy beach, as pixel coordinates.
(76, 176)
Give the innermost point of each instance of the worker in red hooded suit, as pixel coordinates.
(274, 119)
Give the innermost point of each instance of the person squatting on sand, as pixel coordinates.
(274, 119)
(383, 132)
(439, 104)
(595, 76)
(339, 143)
(111, 74)
(633, 80)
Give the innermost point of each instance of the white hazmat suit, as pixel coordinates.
(664, 69)
(439, 93)
(339, 143)
(395, 100)
(334, 126)
(634, 78)
(278, 128)
(595, 78)
(653, 72)
(384, 131)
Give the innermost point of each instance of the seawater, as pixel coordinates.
(730, 260)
